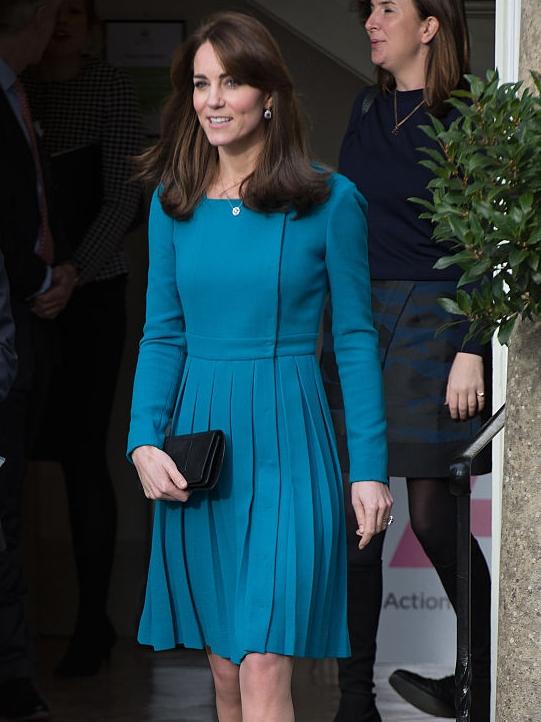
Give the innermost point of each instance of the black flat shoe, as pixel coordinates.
(87, 651)
(19, 700)
(433, 696)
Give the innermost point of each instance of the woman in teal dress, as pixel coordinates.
(247, 238)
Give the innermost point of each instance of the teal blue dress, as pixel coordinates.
(234, 306)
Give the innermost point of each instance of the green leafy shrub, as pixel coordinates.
(487, 200)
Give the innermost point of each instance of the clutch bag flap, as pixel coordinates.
(198, 457)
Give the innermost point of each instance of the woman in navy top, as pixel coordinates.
(435, 387)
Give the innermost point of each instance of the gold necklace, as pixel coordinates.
(398, 124)
(224, 190)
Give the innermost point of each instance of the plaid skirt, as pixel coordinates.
(416, 360)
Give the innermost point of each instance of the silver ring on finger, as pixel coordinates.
(389, 521)
(480, 394)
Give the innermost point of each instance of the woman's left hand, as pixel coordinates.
(465, 394)
(372, 503)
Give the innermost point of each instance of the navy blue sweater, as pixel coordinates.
(386, 169)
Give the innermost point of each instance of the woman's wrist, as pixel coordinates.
(140, 452)
(469, 353)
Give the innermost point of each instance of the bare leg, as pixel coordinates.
(265, 684)
(226, 684)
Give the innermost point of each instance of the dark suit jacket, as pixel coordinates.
(19, 226)
(8, 357)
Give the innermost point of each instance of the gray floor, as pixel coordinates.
(140, 686)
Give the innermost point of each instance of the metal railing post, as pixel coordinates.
(460, 486)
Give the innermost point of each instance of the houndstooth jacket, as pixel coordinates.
(97, 107)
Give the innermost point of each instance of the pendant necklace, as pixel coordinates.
(399, 123)
(235, 209)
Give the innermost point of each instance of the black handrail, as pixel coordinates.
(460, 486)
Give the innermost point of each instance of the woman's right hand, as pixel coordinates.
(465, 395)
(159, 475)
(372, 503)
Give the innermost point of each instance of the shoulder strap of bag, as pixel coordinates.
(368, 100)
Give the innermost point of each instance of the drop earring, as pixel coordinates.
(267, 114)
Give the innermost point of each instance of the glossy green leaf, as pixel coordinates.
(451, 306)
(505, 331)
(517, 255)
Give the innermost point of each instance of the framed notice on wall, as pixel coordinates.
(145, 49)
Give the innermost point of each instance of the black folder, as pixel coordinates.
(78, 182)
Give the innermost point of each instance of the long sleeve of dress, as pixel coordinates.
(355, 339)
(121, 140)
(162, 351)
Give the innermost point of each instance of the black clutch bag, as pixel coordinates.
(199, 457)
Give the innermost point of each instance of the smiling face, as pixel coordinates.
(71, 30)
(398, 36)
(230, 113)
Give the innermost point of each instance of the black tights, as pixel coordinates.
(433, 518)
(432, 511)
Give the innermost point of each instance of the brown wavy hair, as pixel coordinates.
(448, 53)
(183, 162)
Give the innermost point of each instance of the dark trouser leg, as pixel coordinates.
(356, 673)
(93, 330)
(433, 517)
(14, 639)
(92, 509)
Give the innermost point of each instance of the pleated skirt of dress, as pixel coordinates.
(259, 564)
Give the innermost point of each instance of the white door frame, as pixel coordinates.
(508, 16)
